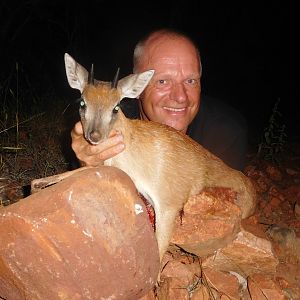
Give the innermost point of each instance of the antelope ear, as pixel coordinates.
(77, 75)
(133, 85)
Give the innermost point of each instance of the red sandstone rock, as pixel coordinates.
(246, 255)
(185, 267)
(210, 222)
(179, 278)
(262, 287)
(87, 237)
(201, 293)
(273, 172)
(225, 283)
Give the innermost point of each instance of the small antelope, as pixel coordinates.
(166, 166)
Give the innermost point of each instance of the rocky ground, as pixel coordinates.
(277, 219)
(266, 251)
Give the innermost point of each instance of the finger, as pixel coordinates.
(114, 132)
(77, 130)
(111, 152)
(98, 159)
(116, 140)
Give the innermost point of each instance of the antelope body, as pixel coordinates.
(166, 166)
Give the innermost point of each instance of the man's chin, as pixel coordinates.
(180, 126)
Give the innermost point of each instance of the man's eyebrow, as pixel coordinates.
(160, 73)
(197, 75)
(192, 75)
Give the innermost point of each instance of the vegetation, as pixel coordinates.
(34, 135)
(274, 137)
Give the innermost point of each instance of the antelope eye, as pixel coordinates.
(82, 103)
(116, 109)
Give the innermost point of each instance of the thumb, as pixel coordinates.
(77, 130)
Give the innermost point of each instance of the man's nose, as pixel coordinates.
(178, 93)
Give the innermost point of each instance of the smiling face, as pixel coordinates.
(173, 95)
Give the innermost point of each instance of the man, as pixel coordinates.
(173, 98)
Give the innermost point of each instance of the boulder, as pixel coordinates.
(248, 254)
(86, 237)
(210, 221)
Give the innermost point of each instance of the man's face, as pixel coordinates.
(173, 94)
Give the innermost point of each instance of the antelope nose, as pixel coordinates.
(95, 137)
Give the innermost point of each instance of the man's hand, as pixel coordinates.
(94, 155)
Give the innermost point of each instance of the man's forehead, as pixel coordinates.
(173, 64)
(170, 51)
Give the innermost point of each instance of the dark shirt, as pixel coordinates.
(217, 126)
(222, 130)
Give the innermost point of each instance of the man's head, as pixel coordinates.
(173, 95)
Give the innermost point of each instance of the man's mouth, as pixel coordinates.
(175, 110)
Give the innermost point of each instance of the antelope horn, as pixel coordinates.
(91, 75)
(115, 82)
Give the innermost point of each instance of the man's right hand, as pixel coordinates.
(94, 155)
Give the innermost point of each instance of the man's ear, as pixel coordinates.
(77, 75)
(133, 85)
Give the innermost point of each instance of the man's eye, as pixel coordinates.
(192, 81)
(162, 81)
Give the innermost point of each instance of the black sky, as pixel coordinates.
(239, 43)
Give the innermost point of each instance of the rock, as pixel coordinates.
(262, 287)
(291, 171)
(87, 237)
(184, 278)
(180, 274)
(172, 288)
(225, 283)
(274, 172)
(262, 182)
(185, 267)
(284, 236)
(246, 255)
(10, 192)
(210, 221)
(201, 293)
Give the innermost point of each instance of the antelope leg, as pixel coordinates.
(41, 183)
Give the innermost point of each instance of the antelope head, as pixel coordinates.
(99, 102)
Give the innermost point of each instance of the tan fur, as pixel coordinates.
(168, 167)
(101, 93)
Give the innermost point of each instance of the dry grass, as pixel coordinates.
(32, 147)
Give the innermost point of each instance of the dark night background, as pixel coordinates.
(239, 43)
